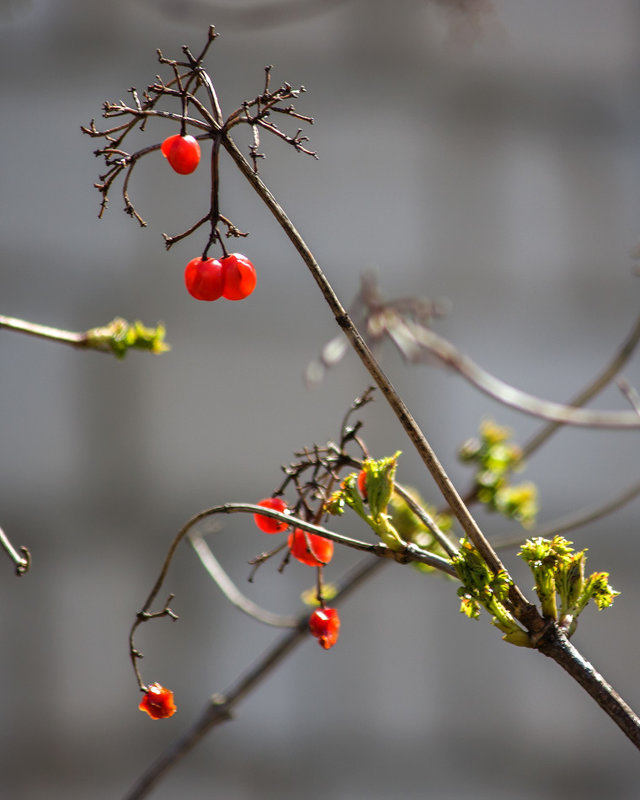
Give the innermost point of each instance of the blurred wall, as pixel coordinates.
(491, 157)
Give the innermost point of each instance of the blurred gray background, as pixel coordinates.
(489, 157)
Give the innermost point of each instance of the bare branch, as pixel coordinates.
(516, 398)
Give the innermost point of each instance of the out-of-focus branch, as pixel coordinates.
(231, 591)
(509, 395)
(620, 358)
(570, 521)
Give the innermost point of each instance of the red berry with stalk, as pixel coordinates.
(309, 548)
(324, 624)
(204, 278)
(182, 152)
(267, 524)
(239, 276)
(158, 702)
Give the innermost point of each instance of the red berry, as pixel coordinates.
(309, 548)
(267, 524)
(324, 624)
(182, 152)
(239, 276)
(204, 278)
(362, 483)
(158, 702)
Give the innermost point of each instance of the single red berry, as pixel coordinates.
(204, 278)
(267, 524)
(324, 624)
(362, 483)
(239, 276)
(182, 152)
(309, 548)
(158, 702)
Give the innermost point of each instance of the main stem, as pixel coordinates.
(523, 609)
(556, 645)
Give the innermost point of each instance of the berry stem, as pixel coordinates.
(214, 211)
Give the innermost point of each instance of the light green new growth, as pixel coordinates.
(496, 458)
(482, 587)
(379, 481)
(119, 336)
(559, 575)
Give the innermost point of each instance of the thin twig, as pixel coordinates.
(631, 393)
(220, 705)
(570, 521)
(620, 358)
(410, 553)
(73, 338)
(427, 520)
(22, 562)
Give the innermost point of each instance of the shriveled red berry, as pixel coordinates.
(239, 276)
(267, 524)
(204, 278)
(362, 483)
(158, 702)
(182, 152)
(309, 548)
(324, 624)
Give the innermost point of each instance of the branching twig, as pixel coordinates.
(221, 705)
(410, 553)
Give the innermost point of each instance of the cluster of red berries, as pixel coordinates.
(158, 702)
(312, 550)
(232, 277)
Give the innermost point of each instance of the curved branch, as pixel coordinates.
(220, 706)
(515, 398)
(408, 554)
